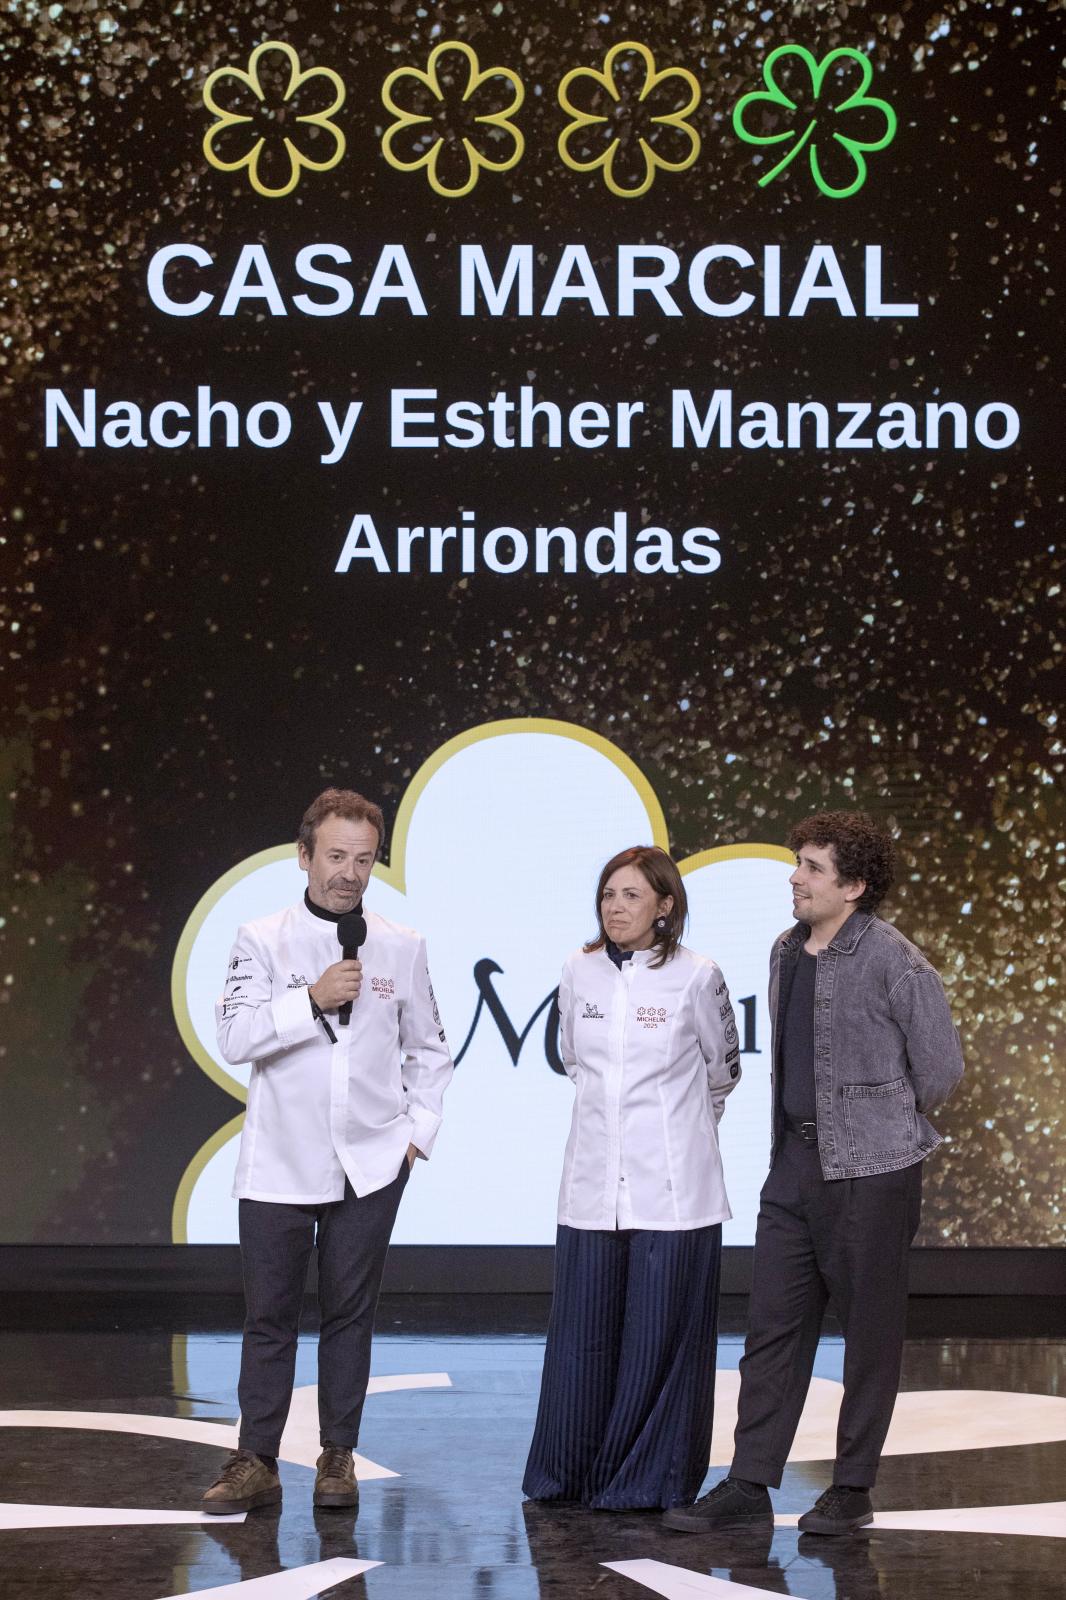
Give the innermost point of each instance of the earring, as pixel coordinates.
(661, 924)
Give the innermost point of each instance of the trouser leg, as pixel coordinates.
(788, 1299)
(353, 1241)
(276, 1243)
(657, 1438)
(864, 1256)
(580, 1361)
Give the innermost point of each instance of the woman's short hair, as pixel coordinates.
(339, 803)
(661, 873)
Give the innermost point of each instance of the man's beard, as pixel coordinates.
(347, 891)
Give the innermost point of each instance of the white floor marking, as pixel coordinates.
(300, 1440)
(13, 1515)
(677, 1583)
(1044, 1521)
(391, 1383)
(188, 1428)
(923, 1421)
(299, 1584)
(299, 1444)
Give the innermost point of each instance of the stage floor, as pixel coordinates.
(971, 1500)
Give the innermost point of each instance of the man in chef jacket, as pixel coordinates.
(336, 1117)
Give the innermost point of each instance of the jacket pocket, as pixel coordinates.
(879, 1120)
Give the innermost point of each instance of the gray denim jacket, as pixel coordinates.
(885, 1048)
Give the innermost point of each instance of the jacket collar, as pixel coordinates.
(322, 914)
(852, 931)
(844, 941)
(635, 958)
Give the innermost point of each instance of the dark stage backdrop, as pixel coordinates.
(673, 227)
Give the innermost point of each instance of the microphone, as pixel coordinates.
(351, 932)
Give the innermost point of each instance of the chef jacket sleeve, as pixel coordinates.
(717, 1030)
(566, 1022)
(251, 1025)
(427, 1063)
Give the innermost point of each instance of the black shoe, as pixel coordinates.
(838, 1510)
(727, 1506)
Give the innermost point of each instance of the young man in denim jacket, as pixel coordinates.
(863, 1048)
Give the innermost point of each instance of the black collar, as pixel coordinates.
(327, 916)
(616, 955)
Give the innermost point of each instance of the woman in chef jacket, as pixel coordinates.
(648, 1037)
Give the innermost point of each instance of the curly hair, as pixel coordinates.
(861, 850)
(660, 872)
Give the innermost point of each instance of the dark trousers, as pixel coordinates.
(352, 1236)
(845, 1241)
(627, 1396)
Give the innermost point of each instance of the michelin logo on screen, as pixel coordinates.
(500, 914)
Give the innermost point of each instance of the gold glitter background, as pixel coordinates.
(184, 670)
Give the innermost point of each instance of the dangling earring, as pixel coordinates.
(661, 924)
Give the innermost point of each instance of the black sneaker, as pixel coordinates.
(838, 1510)
(726, 1506)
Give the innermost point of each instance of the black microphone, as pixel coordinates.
(351, 932)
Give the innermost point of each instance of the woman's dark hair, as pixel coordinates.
(662, 875)
(861, 850)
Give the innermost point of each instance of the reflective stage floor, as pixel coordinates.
(108, 1436)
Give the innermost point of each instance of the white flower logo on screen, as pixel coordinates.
(494, 856)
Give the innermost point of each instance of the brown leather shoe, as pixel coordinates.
(244, 1483)
(335, 1483)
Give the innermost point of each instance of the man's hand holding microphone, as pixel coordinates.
(338, 986)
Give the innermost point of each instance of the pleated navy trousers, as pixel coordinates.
(627, 1395)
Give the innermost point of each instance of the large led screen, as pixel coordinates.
(571, 427)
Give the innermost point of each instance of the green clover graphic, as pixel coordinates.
(858, 102)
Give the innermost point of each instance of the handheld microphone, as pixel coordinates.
(351, 933)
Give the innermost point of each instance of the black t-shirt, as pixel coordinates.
(797, 1053)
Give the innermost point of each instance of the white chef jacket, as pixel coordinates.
(653, 1053)
(318, 1112)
